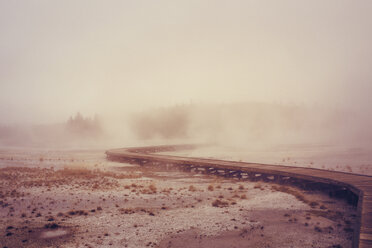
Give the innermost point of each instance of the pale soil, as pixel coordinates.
(95, 203)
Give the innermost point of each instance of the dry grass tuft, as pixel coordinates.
(219, 203)
(153, 188)
(299, 196)
(331, 215)
(192, 188)
(77, 212)
(258, 186)
(210, 187)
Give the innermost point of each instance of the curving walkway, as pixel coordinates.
(357, 189)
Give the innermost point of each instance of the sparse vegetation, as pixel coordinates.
(210, 187)
(192, 188)
(219, 203)
(153, 188)
(299, 195)
(77, 212)
(120, 195)
(332, 215)
(51, 226)
(258, 186)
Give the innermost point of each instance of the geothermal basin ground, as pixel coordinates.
(79, 199)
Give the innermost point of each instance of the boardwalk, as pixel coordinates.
(356, 188)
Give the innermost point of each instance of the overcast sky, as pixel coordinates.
(60, 57)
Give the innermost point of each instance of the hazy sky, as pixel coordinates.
(59, 57)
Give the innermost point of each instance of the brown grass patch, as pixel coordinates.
(331, 215)
(219, 203)
(192, 188)
(299, 196)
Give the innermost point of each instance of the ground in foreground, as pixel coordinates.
(94, 203)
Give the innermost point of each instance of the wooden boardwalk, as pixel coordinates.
(356, 188)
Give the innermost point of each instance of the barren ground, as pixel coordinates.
(78, 199)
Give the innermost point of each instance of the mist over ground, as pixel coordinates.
(243, 124)
(240, 73)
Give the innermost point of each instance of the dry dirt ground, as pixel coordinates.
(72, 199)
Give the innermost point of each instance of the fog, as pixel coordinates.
(227, 72)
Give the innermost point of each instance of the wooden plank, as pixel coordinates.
(365, 236)
(365, 243)
(365, 229)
